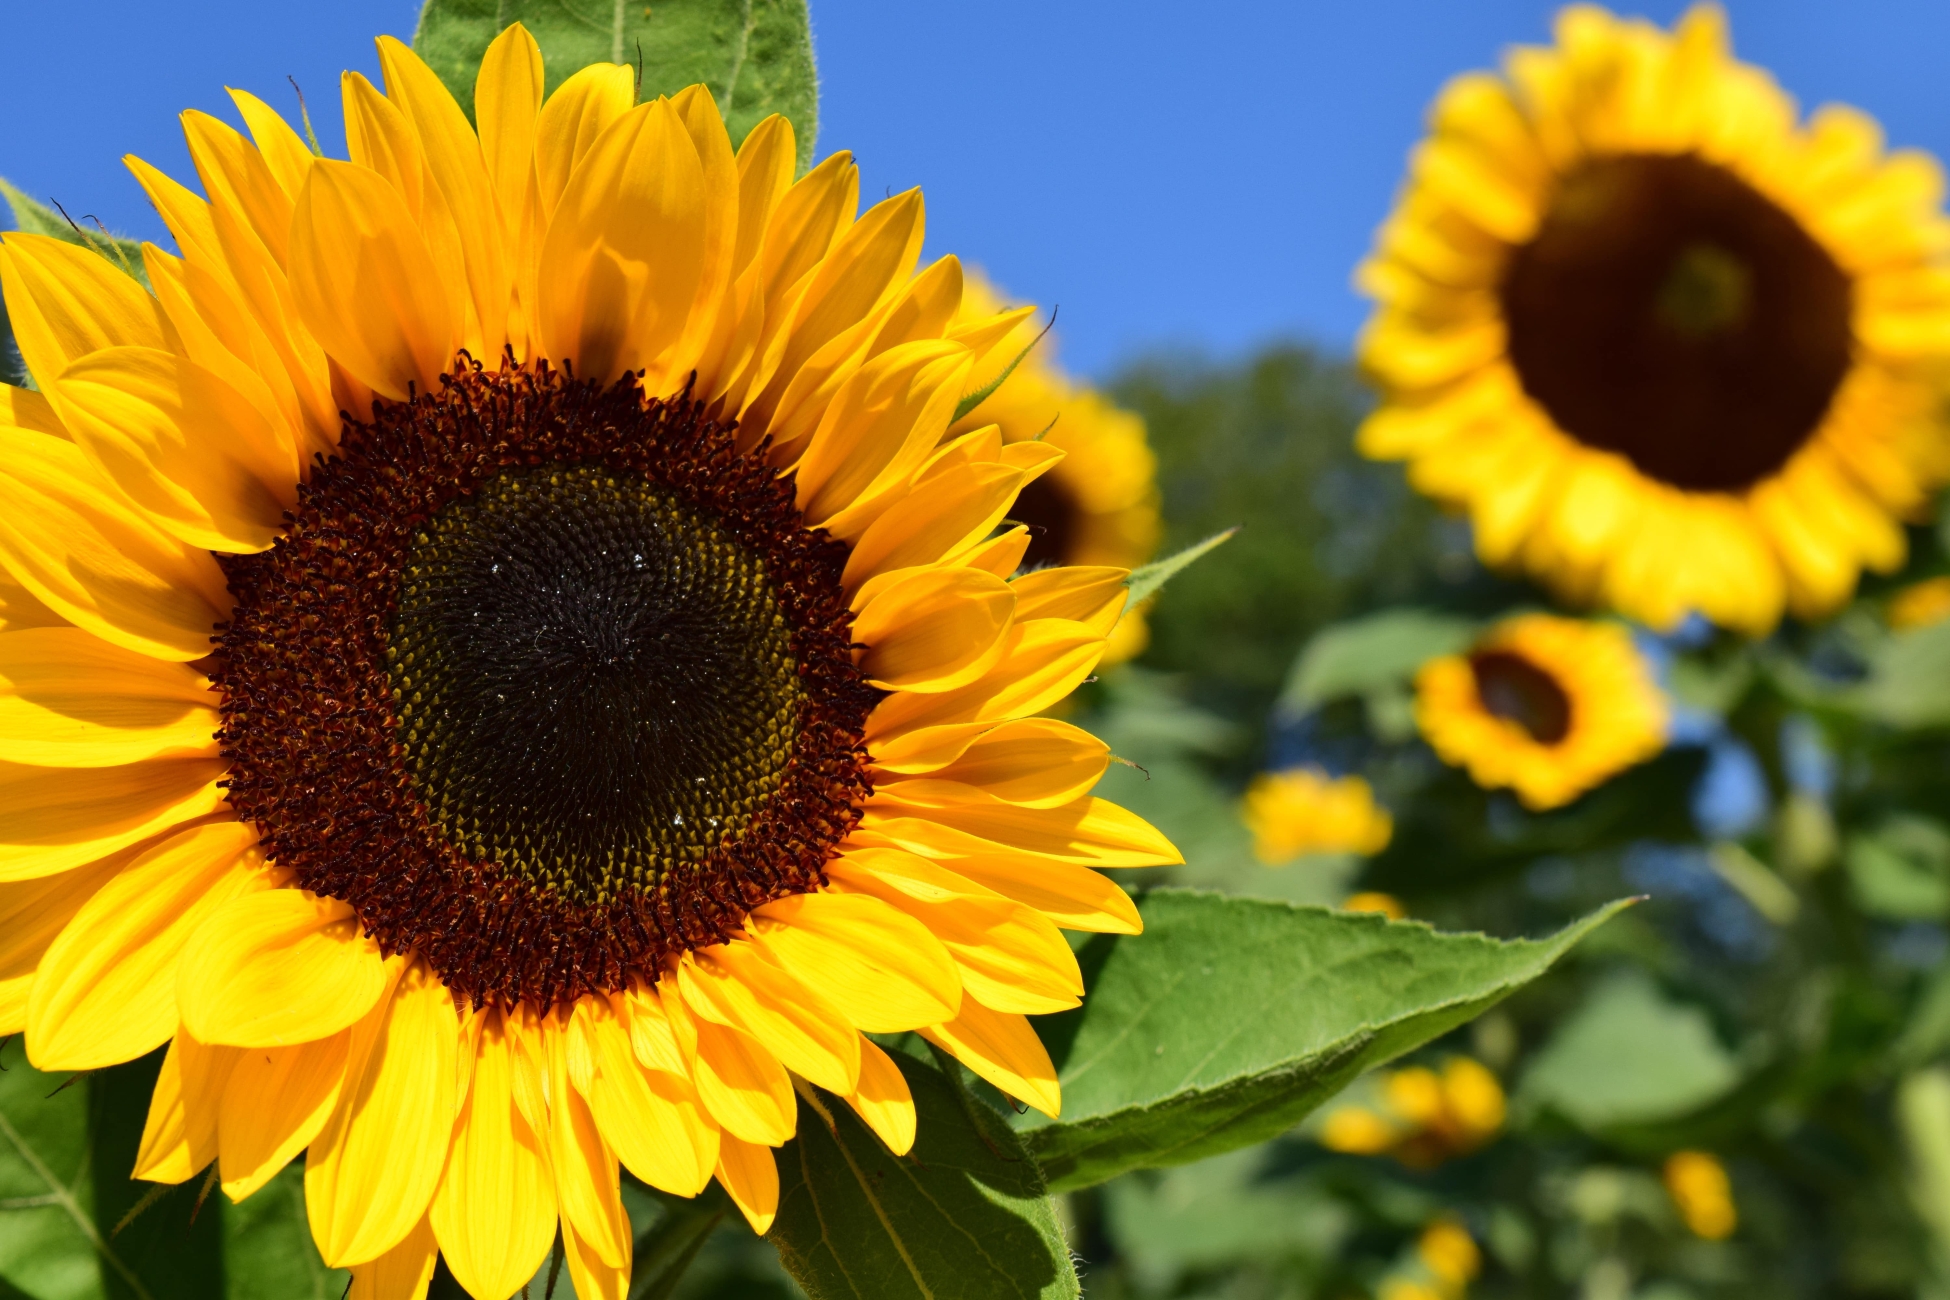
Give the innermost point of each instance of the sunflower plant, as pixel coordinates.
(524, 688)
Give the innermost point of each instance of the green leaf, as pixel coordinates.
(1366, 655)
(666, 1249)
(1901, 868)
(964, 1216)
(1146, 581)
(1229, 1019)
(175, 1245)
(268, 1247)
(755, 55)
(1629, 1056)
(49, 1245)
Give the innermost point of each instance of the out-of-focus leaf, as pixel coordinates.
(667, 1248)
(1174, 1223)
(1370, 654)
(1926, 1036)
(964, 1216)
(175, 1245)
(1629, 1056)
(1923, 1114)
(268, 1248)
(1229, 1019)
(1901, 869)
(1145, 582)
(755, 56)
(48, 1241)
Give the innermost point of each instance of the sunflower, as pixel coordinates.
(570, 757)
(1702, 1193)
(1303, 810)
(1549, 707)
(1422, 1117)
(1671, 350)
(1099, 504)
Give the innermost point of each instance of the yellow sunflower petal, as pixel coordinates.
(106, 991)
(179, 1137)
(23, 408)
(238, 180)
(742, 1084)
(1003, 1049)
(1042, 661)
(652, 1117)
(1034, 762)
(882, 969)
(738, 984)
(585, 1167)
(1091, 831)
(750, 1175)
(494, 1214)
(97, 562)
(365, 284)
(372, 1172)
(65, 301)
(279, 967)
(959, 509)
(883, 1100)
(277, 1100)
(54, 819)
(32, 914)
(283, 151)
(588, 1272)
(70, 699)
(1091, 595)
(402, 1273)
(574, 119)
(935, 630)
(1074, 897)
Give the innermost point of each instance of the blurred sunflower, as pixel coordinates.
(1548, 707)
(610, 728)
(1099, 504)
(1670, 350)
(1303, 810)
(1920, 604)
(1421, 1117)
(1445, 1261)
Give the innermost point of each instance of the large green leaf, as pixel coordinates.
(1630, 1056)
(49, 1246)
(268, 1248)
(964, 1216)
(1230, 1019)
(754, 55)
(174, 1242)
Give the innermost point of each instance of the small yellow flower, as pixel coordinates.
(1303, 810)
(1920, 604)
(1700, 1189)
(1424, 1117)
(1450, 1253)
(1547, 706)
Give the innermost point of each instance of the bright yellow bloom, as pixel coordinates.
(619, 714)
(1099, 504)
(1671, 350)
(1449, 1252)
(1699, 1187)
(1921, 604)
(1549, 707)
(1303, 810)
(1422, 1117)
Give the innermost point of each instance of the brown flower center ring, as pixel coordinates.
(1668, 311)
(547, 681)
(1516, 690)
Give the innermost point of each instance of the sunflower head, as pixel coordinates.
(1672, 350)
(1099, 505)
(1548, 707)
(527, 670)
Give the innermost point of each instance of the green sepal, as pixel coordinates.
(1146, 581)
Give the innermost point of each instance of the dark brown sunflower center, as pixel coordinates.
(1513, 688)
(1668, 311)
(1054, 522)
(595, 681)
(548, 682)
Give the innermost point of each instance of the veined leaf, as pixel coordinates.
(49, 1246)
(667, 1248)
(754, 55)
(964, 1216)
(268, 1248)
(1229, 1019)
(173, 1248)
(1146, 581)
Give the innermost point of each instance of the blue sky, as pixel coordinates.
(1171, 174)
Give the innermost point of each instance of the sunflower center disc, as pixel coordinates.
(1513, 688)
(1668, 311)
(548, 681)
(595, 681)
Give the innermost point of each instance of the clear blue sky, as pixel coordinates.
(1200, 174)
